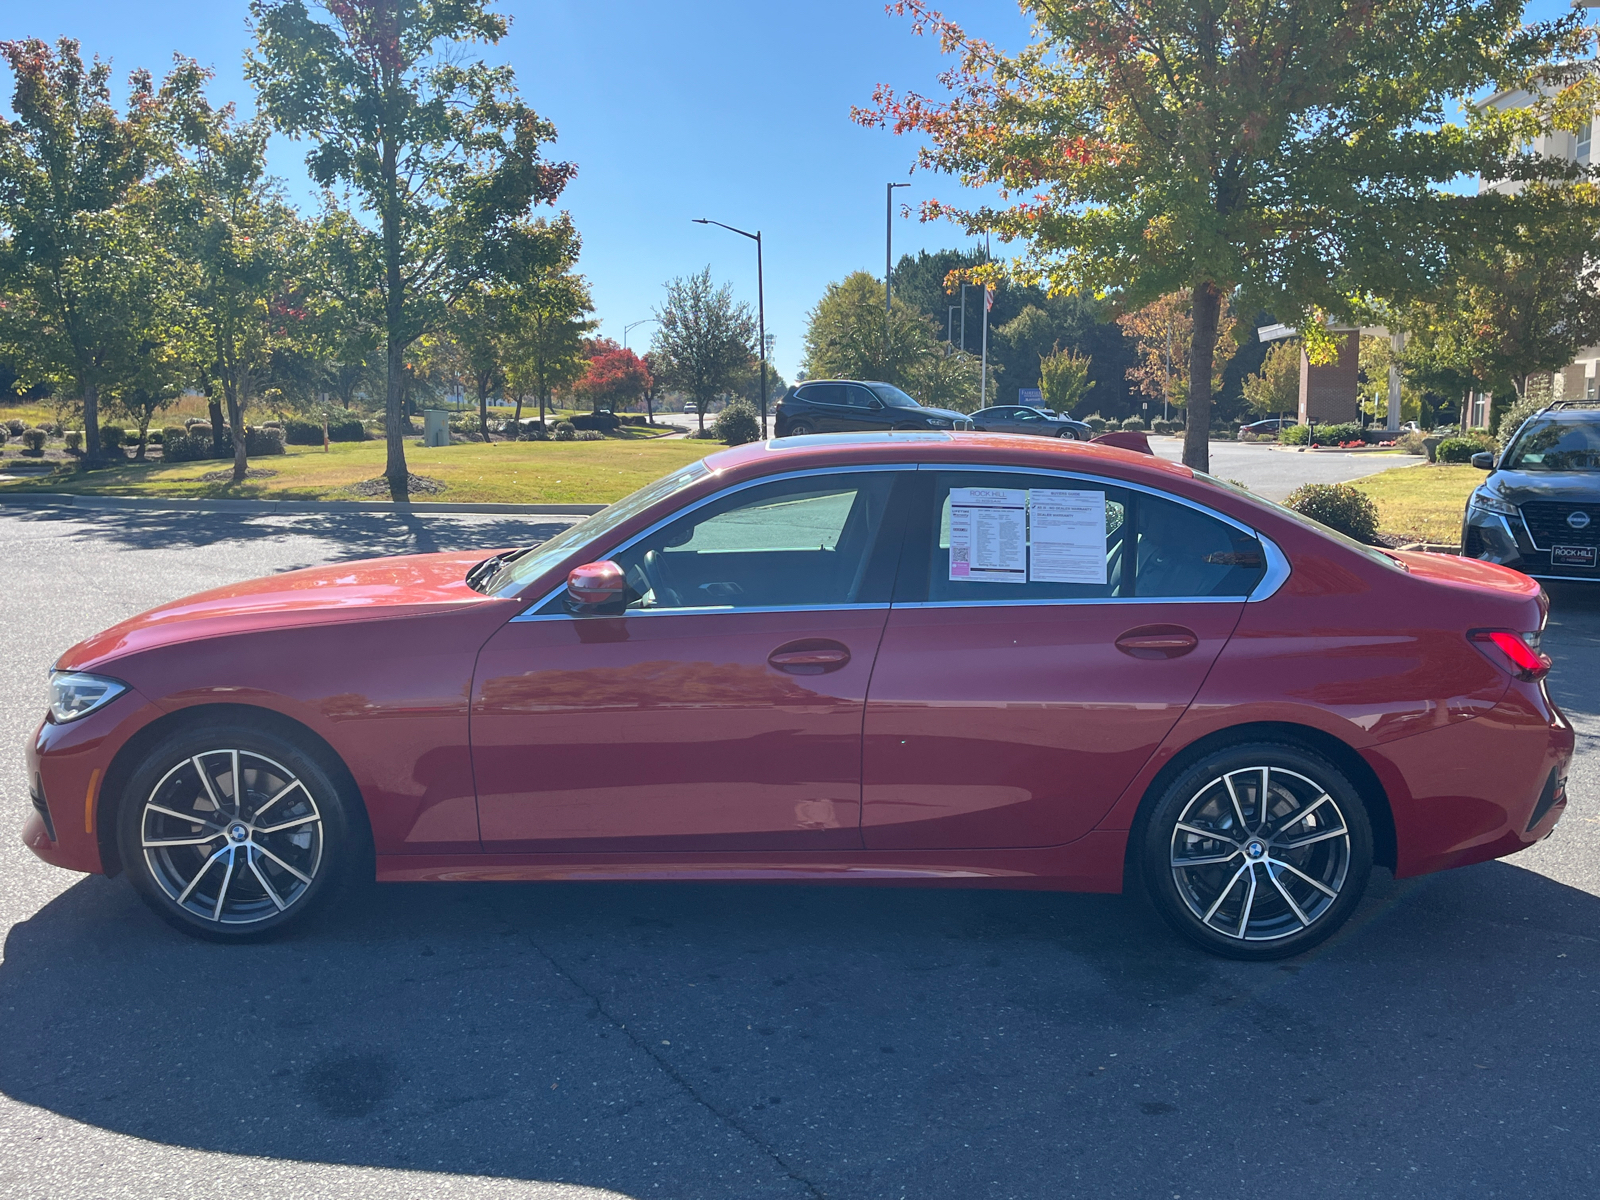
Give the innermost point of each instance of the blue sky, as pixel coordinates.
(726, 109)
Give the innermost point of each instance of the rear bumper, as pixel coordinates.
(1478, 789)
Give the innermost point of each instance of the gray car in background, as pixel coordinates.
(1014, 418)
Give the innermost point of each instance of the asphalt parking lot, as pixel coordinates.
(741, 1042)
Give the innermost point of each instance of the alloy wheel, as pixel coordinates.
(1260, 853)
(232, 837)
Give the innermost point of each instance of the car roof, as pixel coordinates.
(1582, 414)
(936, 446)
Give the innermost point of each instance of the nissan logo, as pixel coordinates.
(1578, 520)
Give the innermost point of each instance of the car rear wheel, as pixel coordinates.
(1257, 851)
(798, 429)
(233, 834)
(1070, 435)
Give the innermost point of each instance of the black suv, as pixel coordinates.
(848, 405)
(1539, 510)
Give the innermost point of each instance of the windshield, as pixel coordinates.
(516, 575)
(1554, 445)
(892, 396)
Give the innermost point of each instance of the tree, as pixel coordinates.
(1521, 304)
(68, 164)
(243, 241)
(948, 378)
(547, 322)
(1064, 379)
(616, 376)
(437, 147)
(1163, 332)
(844, 335)
(479, 325)
(703, 340)
(344, 307)
(1291, 152)
(1276, 387)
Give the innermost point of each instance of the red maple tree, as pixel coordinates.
(615, 376)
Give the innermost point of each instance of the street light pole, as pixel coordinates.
(888, 266)
(628, 328)
(761, 310)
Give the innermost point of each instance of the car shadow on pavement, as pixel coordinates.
(745, 1041)
(355, 534)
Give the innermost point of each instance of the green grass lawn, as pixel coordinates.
(501, 473)
(1423, 503)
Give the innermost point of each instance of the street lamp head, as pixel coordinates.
(701, 221)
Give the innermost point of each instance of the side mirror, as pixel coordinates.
(594, 586)
(1483, 460)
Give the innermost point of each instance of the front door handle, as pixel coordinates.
(1158, 641)
(813, 657)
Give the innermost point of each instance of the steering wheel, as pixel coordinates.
(655, 575)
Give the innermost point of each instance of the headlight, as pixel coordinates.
(937, 423)
(1484, 502)
(74, 694)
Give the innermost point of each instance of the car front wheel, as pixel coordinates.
(1257, 851)
(1070, 435)
(233, 833)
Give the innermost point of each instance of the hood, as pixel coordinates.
(366, 590)
(1518, 487)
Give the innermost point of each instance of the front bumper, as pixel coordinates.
(1506, 540)
(68, 765)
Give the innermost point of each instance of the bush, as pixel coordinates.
(349, 429)
(1294, 435)
(74, 441)
(153, 437)
(588, 435)
(16, 426)
(1336, 434)
(259, 441)
(1456, 450)
(1133, 423)
(302, 433)
(1338, 506)
(113, 436)
(565, 432)
(198, 429)
(737, 424)
(1412, 443)
(1511, 420)
(33, 441)
(604, 422)
(1095, 422)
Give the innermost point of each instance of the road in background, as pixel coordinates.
(739, 1042)
(1272, 472)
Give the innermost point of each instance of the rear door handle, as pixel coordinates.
(810, 657)
(1158, 641)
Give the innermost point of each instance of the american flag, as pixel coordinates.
(988, 299)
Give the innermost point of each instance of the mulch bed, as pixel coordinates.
(225, 476)
(416, 485)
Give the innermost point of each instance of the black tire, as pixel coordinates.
(798, 429)
(222, 874)
(1287, 883)
(1070, 435)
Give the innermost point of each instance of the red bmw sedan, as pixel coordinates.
(924, 658)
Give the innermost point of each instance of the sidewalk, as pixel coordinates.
(286, 507)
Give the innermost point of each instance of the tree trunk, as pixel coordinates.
(517, 418)
(1205, 306)
(483, 409)
(241, 461)
(649, 415)
(91, 422)
(218, 424)
(144, 437)
(395, 469)
(541, 406)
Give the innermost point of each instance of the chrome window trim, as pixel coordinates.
(1276, 575)
(531, 613)
(1277, 572)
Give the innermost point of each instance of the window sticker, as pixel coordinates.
(989, 535)
(1069, 536)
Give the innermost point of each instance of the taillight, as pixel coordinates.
(1522, 649)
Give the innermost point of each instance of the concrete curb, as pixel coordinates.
(283, 507)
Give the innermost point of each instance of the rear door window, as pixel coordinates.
(823, 393)
(1004, 537)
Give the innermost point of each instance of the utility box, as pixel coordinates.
(435, 427)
